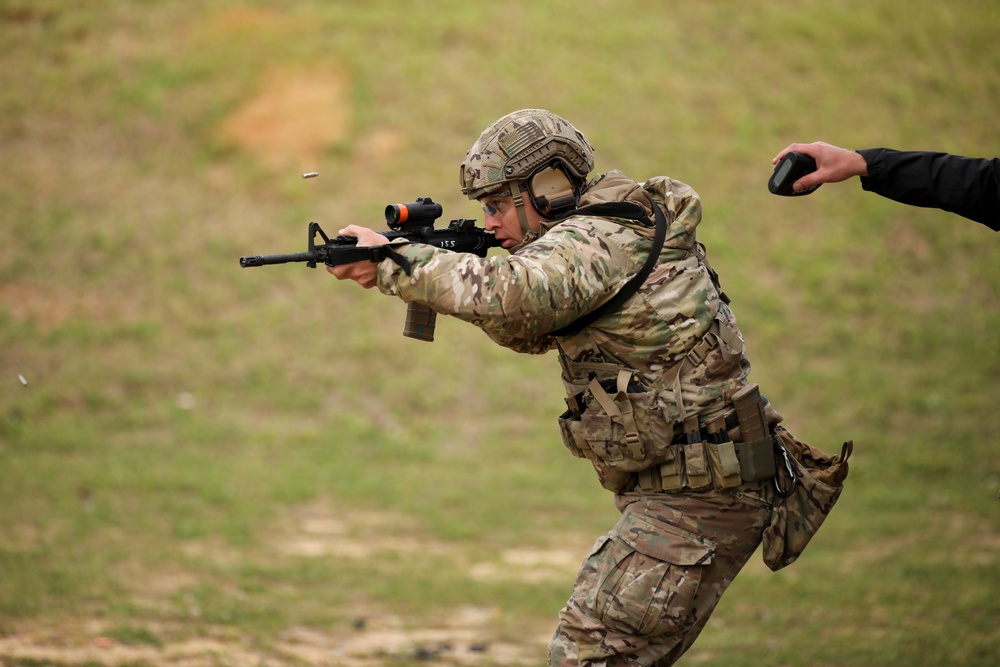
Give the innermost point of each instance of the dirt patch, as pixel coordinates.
(43, 648)
(294, 115)
(531, 566)
(321, 530)
(378, 641)
(457, 642)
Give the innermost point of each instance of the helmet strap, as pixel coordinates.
(528, 238)
(522, 217)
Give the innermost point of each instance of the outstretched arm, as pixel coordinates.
(967, 186)
(833, 164)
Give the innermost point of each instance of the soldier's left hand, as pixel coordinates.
(364, 273)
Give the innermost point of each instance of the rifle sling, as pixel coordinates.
(388, 251)
(628, 211)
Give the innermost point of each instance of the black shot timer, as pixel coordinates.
(789, 169)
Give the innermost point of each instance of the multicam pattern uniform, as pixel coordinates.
(646, 591)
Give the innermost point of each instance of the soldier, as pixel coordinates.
(609, 273)
(967, 186)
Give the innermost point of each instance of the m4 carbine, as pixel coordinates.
(414, 223)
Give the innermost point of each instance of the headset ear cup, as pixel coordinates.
(552, 191)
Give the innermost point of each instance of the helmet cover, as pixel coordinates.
(515, 146)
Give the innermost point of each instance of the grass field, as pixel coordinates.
(205, 465)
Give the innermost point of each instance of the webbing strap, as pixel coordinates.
(672, 377)
(609, 405)
(619, 409)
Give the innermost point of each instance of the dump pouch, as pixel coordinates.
(809, 495)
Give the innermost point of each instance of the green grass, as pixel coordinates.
(203, 451)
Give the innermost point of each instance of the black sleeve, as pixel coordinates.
(967, 186)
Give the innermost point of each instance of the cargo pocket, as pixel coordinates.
(646, 575)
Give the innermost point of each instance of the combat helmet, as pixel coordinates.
(533, 151)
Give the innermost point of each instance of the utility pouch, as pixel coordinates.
(618, 425)
(725, 466)
(696, 469)
(722, 455)
(756, 459)
(581, 439)
(672, 471)
(570, 428)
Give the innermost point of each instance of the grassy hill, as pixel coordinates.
(222, 466)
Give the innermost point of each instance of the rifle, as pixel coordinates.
(413, 222)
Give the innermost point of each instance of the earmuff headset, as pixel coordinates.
(552, 191)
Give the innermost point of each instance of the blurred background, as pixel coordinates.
(211, 465)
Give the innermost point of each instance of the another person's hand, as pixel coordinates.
(833, 164)
(364, 273)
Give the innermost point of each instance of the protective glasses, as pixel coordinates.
(490, 209)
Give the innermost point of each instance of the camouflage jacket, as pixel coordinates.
(577, 264)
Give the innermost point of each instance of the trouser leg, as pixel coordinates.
(649, 586)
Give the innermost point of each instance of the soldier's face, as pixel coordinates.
(501, 217)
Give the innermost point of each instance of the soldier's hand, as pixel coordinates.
(364, 273)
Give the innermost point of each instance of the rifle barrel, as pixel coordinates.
(264, 260)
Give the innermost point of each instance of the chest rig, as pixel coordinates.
(637, 429)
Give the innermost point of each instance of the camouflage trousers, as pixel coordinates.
(649, 586)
